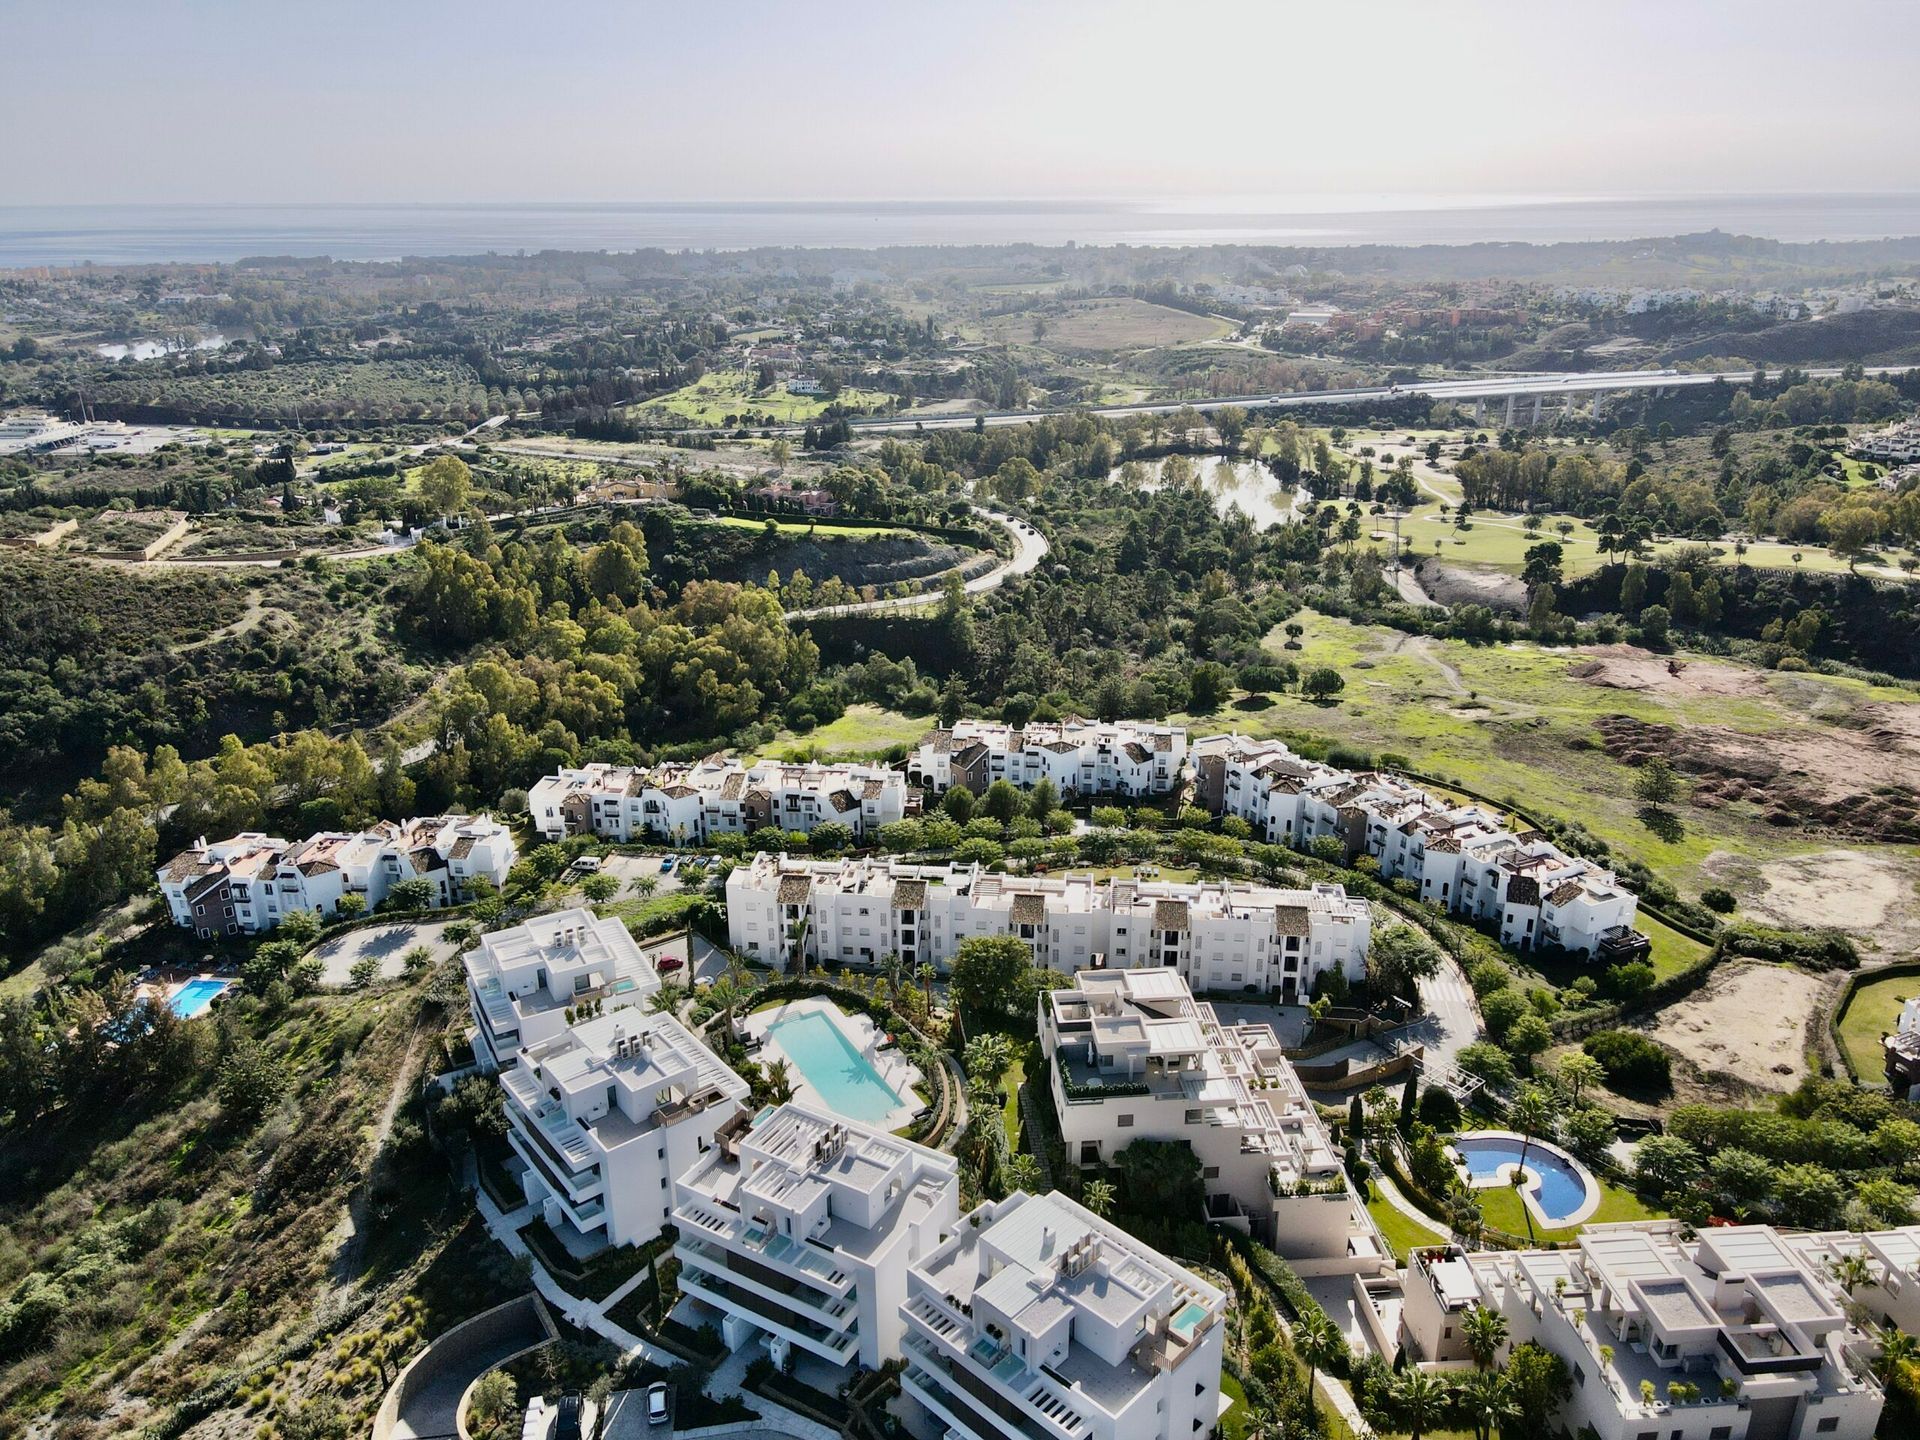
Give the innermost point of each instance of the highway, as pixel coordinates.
(1486, 387)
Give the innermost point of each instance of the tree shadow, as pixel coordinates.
(1663, 823)
(1254, 703)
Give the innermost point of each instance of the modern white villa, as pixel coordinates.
(1731, 1334)
(1135, 1057)
(1037, 1320)
(1891, 1294)
(1460, 856)
(799, 1227)
(247, 884)
(684, 804)
(607, 1112)
(1218, 935)
(527, 984)
(1126, 758)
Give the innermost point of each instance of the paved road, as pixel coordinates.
(453, 1366)
(1029, 549)
(1452, 1018)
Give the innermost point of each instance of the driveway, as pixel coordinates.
(443, 1372)
(1452, 1018)
(386, 942)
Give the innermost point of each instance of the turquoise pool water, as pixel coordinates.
(1561, 1190)
(195, 996)
(1189, 1319)
(844, 1079)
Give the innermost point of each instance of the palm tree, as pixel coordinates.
(1489, 1402)
(925, 976)
(1531, 1113)
(892, 967)
(1421, 1399)
(646, 885)
(797, 943)
(1485, 1331)
(1319, 1344)
(779, 1081)
(1098, 1197)
(1897, 1348)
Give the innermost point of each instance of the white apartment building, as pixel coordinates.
(1461, 856)
(1081, 757)
(1134, 1056)
(690, 803)
(1896, 445)
(1038, 1320)
(607, 1112)
(1892, 1294)
(1728, 1335)
(1218, 935)
(247, 884)
(524, 983)
(800, 1227)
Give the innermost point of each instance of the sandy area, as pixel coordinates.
(1627, 667)
(1866, 893)
(1456, 585)
(1748, 1021)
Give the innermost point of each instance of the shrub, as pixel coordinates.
(1718, 900)
(1632, 1061)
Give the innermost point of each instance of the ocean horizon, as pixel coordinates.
(70, 235)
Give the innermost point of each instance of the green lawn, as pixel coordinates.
(1233, 1424)
(720, 393)
(1504, 1210)
(1402, 1233)
(806, 527)
(862, 731)
(1010, 1083)
(1871, 1013)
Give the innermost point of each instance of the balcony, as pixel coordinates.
(835, 1312)
(765, 1245)
(1014, 1402)
(720, 1291)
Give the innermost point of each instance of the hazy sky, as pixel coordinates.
(337, 100)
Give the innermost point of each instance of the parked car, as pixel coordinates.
(657, 1413)
(587, 864)
(666, 864)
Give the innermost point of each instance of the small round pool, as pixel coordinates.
(1561, 1191)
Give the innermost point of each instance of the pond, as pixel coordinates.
(1243, 483)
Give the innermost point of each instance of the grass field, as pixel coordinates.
(1512, 722)
(863, 730)
(715, 396)
(804, 527)
(1118, 323)
(1401, 1232)
(1871, 1013)
(1503, 1209)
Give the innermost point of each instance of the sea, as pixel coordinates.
(66, 235)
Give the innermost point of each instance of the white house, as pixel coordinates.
(800, 1227)
(1037, 1320)
(1133, 1056)
(1125, 758)
(607, 1112)
(1216, 935)
(1896, 445)
(523, 984)
(247, 884)
(1460, 856)
(691, 803)
(1729, 1334)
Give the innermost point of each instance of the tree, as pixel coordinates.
(1399, 959)
(600, 888)
(1162, 1178)
(1098, 1196)
(1001, 802)
(445, 483)
(1485, 1331)
(1577, 1070)
(1210, 685)
(993, 975)
(1488, 1401)
(1742, 1181)
(495, 1405)
(779, 1081)
(1043, 799)
(350, 907)
(1809, 1196)
(1655, 622)
(1420, 1398)
(1318, 1344)
(988, 1057)
(1543, 566)
(412, 894)
(830, 837)
(1656, 783)
(250, 1082)
(1322, 683)
(363, 972)
(1538, 1381)
(1527, 1037)
(958, 802)
(1666, 1164)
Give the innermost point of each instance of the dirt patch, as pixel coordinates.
(1867, 895)
(1450, 585)
(1627, 667)
(1838, 782)
(1748, 1022)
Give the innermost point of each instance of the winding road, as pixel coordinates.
(1029, 549)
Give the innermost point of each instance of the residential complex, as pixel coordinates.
(526, 985)
(1135, 1057)
(1460, 856)
(801, 1227)
(607, 1112)
(1731, 1334)
(1900, 1051)
(691, 803)
(1038, 1320)
(1081, 757)
(247, 884)
(1891, 1292)
(1896, 445)
(1217, 935)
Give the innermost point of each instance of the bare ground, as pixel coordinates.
(1451, 585)
(1748, 1022)
(1873, 896)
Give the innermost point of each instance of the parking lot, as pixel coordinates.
(388, 943)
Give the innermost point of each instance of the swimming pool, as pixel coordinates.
(1562, 1193)
(844, 1079)
(195, 996)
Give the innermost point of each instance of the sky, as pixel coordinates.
(1331, 104)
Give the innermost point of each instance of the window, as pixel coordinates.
(1827, 1425)
(1211, 1172)
(1125, 1122)
(1720, 1432)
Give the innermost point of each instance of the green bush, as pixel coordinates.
(1632, 1061)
